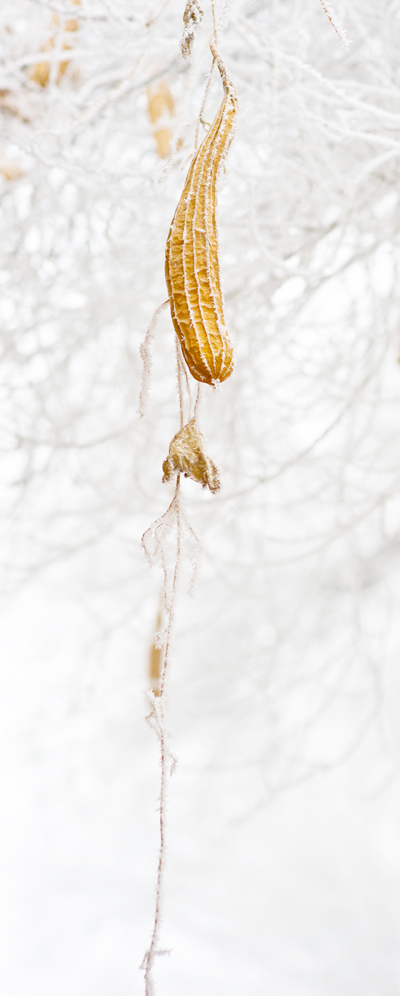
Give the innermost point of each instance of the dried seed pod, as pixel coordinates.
(191, 258)
(187, 456)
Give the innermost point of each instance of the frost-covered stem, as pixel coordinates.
(165, 763)
(171, 610)
(146, 357)
(148, 961)
(197, 402)
(332, 17)
(179, 365)
(214, 20)
(200, 120)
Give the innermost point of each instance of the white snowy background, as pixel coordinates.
(283, 699)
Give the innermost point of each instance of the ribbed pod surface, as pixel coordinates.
(191, 260)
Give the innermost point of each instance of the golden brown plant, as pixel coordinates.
(9, 170)
(195, 299)
(160, 102)
(40, 73)
(191, 259)
(191, 20)
(155, 658)
(9, 105)
(187, 456)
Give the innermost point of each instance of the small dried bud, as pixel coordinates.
(187, 456)
(191, 19)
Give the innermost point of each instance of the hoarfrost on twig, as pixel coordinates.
(333, 18)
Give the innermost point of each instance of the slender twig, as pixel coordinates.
(181, 370)
(197, 402)
(332, 17)
(167, 761)
(146, 357)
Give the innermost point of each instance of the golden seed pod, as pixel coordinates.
(191, 258)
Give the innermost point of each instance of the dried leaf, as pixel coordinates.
(40, 73)
(187, 456)
(192, 16)
(163, 139)
(160, 104)
(160, 101)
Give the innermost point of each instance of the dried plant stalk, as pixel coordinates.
(156, 657)
(187, 456)
(191, 259)
(155, 668)
(156, 720)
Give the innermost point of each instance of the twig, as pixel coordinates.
(332, 17)
(156, 720)
(145, 354)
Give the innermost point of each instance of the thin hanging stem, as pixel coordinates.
(145, 353)
(180, 371)
(167, 761)
(208, 84)
(214, 20)
(197, 402)
(200, 120)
